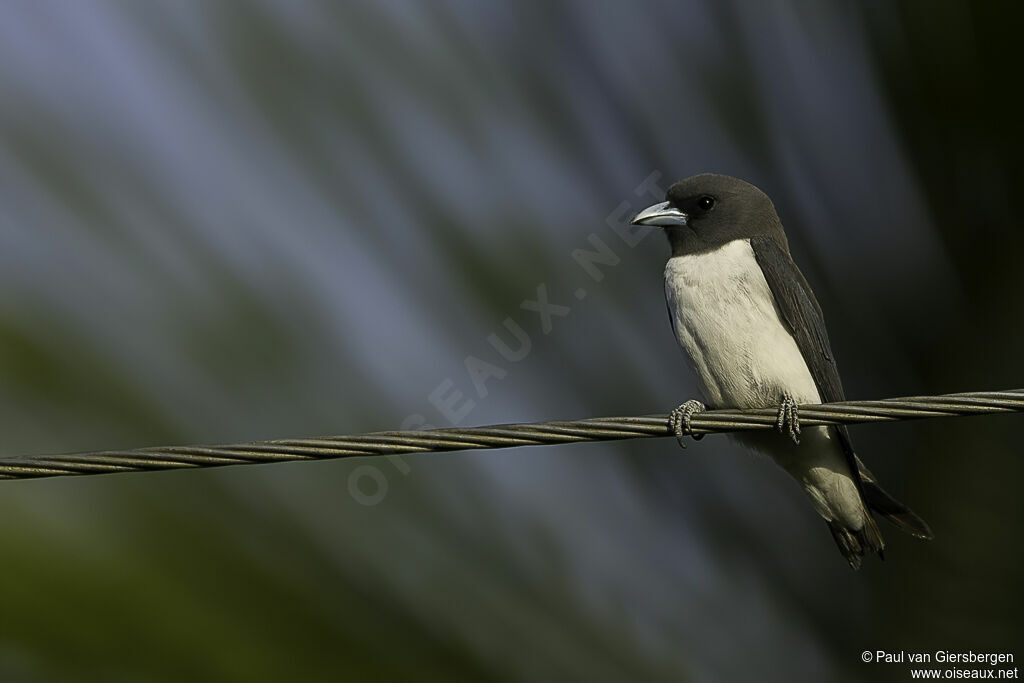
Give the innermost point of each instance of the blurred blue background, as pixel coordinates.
(225, 221)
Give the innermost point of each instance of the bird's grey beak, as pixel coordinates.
(660, 214)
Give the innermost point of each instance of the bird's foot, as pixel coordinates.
(679, 420)
(788, 422)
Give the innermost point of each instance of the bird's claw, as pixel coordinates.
(788, 422)
(679, 420)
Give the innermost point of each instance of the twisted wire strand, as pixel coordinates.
(502, 436)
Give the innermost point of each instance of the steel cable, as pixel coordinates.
(502, 436)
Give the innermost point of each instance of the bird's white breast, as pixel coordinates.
(725, 318)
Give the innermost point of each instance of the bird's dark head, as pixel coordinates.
(706, 211)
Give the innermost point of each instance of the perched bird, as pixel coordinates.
(755, 337)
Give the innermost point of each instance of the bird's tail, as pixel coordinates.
(889, 508)
(854, 544)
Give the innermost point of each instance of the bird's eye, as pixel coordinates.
(705, 203)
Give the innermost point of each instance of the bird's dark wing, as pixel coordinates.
(802, 315)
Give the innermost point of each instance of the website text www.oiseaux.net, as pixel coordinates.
(946, 665)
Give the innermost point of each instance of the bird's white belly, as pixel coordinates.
(725, 318)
